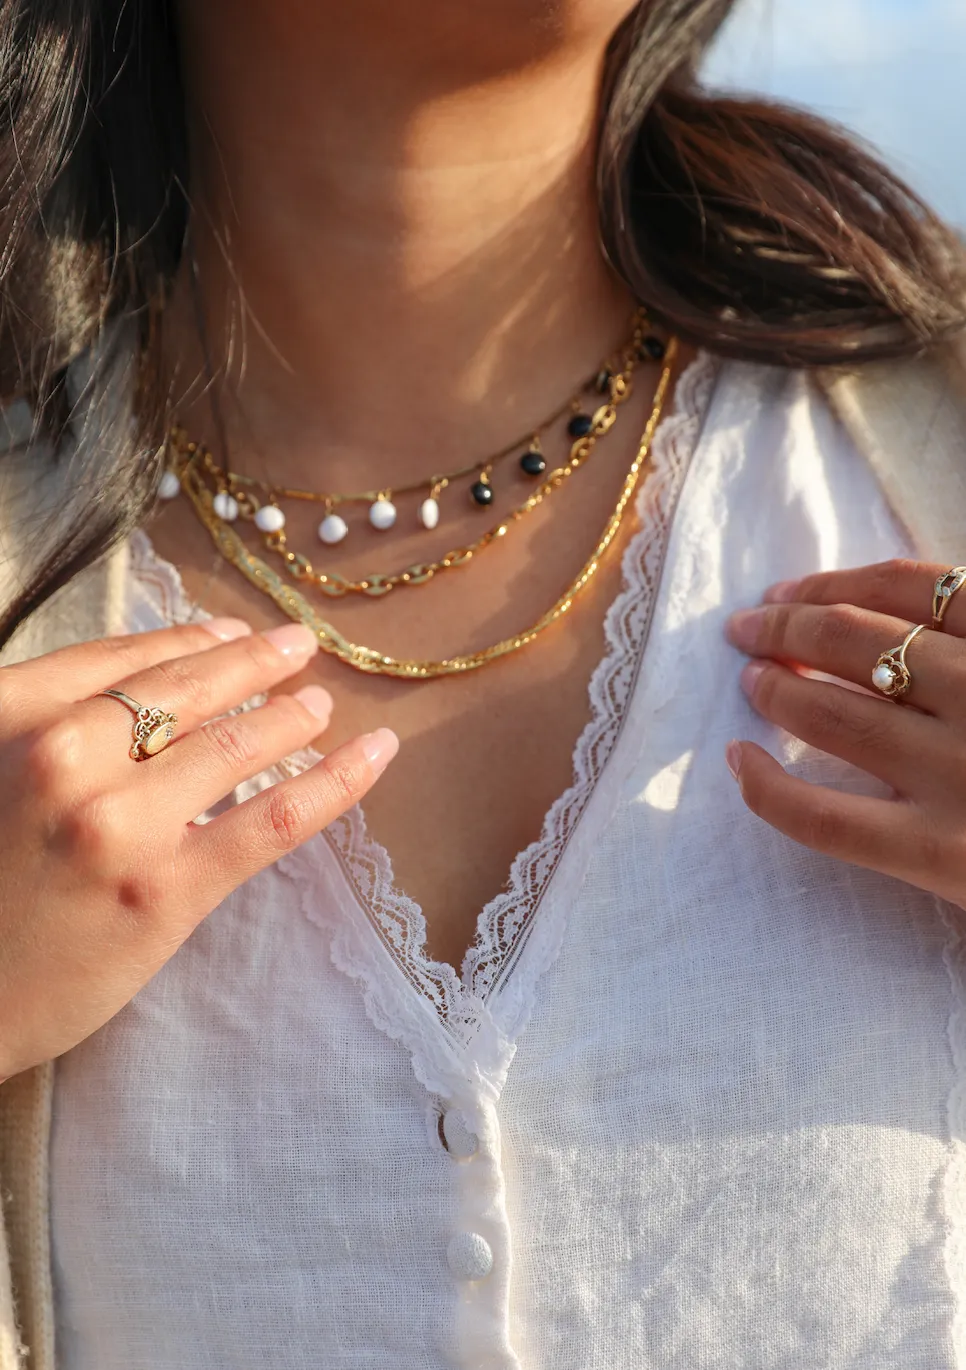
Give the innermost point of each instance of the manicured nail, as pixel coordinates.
(733, 758)
(749, 677)
(316, 700)
(781, 593)
(380, 747)
(293, 639)
(227, 629)
(743, 628)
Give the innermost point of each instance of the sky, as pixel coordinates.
(894, 70)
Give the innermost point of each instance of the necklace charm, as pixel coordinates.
(382, 513)
(170, 486)
(429, 512)
(332, 529)
(225, 506)
(481, 490)
(269, 519)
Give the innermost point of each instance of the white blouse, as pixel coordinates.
(696, 1102)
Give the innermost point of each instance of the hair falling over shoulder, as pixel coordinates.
(754, 230)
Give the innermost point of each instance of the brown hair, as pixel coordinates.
(755, 230)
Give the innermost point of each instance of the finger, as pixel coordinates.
(211, 761)
(199, 687)
(244, 840)
(881, 834)
(905, 749)
(845, 641)
(900, 588)
(32, 691)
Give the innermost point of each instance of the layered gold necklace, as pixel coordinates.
(221, 498)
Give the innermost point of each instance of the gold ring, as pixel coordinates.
(153, 728)
(946, 586)
(891, 674)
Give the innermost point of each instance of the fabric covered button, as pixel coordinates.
(460, 1141)
(469, 1256)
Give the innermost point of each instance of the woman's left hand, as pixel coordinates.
(839, 623)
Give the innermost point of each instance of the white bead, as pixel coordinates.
(382, 514)
(170, 486)
(469, 1256)
(429, 513)
(225, 506)
(333, 529)
(883, 677)
(269, 519)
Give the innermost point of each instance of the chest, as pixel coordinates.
(484, 753)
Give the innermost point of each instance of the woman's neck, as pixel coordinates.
(395, 224)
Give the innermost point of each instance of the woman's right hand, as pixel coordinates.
(103, 872)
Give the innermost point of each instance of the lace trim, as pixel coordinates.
(462, 1002)
(626, 627)
(463, 1005)
(161, 581)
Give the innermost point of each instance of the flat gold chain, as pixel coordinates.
(369, 659)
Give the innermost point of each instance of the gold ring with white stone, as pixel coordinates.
(891, 674)
(153, 728)
(946, 586)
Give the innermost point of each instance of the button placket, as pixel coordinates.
(478, 1252)
(469, 1255)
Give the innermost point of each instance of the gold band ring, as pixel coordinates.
(153, 728)
(946, 586)
(891, 674)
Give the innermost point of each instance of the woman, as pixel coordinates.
(696, 1098)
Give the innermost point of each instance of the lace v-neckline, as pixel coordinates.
(462, 1003)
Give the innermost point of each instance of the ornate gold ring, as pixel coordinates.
(946, 586)
(153, 728)
(891, 675)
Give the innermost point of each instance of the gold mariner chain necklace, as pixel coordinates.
(221, 498)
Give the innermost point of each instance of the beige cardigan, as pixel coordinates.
(909, 421)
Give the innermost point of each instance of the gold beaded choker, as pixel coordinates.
(241, 497)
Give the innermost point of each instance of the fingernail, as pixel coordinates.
(781, 593)
(749, 677)
(742, 629)
(380, 747)
(293, 639)
(316, 700)
(733, 758)
(226, 629)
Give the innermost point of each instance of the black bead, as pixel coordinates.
(482, 492)
(580, 425)
(652, 347)
(602, 382)
(533, 463)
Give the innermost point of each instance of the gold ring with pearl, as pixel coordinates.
(891, 675)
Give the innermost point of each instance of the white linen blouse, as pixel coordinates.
(696, 1101)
